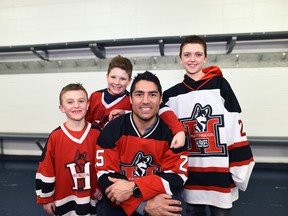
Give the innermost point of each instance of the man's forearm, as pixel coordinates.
(104, 182)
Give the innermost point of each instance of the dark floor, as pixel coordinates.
(267, 194)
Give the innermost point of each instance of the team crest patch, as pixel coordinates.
(80, 171)
(141, 165)
(203, 130)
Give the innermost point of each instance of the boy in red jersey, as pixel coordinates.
(220, 158)
(66, 179)
(115, 96)
(135, 165)
(109, 103)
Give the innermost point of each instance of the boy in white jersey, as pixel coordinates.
(220, 158)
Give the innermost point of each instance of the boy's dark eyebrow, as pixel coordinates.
(194, 52)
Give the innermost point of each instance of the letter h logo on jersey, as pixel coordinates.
(80, 171)
(203, 130)
(141, 165)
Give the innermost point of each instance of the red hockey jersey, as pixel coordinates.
(101, 103)
(66, 173)
(220, 158)
(147, 159)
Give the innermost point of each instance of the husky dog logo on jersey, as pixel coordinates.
(80, 161)
(142, 162)
(201, 116)
(203, 130)
(141, 165)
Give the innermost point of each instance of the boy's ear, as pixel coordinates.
(61, 108)
(205, 59)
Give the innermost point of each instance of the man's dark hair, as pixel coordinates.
(148, 76)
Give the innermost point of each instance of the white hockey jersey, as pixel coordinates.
(220, 158)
